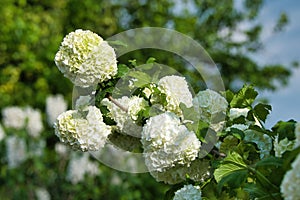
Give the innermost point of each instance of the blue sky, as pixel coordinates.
(283, 48)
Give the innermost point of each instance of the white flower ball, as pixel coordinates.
(55, 105)
(297, 134)
(82, 132)
(166, 143)
(177, 91)
(86, 59)
(290, 185)
(212, 108)
(237, 112)
(16, 151)
(42, 194)
(188, 192)
(14, 117)
(79, 166)
(241, 127)
(34, 122)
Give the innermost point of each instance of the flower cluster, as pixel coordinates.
(212, 138)
(16, 151)
(55, 105)
(79, 166)
(176, 90)
(166, 143)
(81, 130)
(19, 118)
(188, 192)
(297, 134)
(85, 58)
(14, 117)
(212, 108)
(291, 181)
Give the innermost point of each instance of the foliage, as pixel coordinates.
(243, 160)
(30, 34)
(31, 31)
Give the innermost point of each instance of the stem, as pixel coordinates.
(117, 103)
(223, 155)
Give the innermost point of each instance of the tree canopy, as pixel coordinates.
(31, 32)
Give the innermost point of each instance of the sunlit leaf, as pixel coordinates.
(233, 162)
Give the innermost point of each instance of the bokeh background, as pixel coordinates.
(251, 41)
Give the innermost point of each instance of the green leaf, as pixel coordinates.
(262, 111)
(263, 141)
(133, 62)
(237, 133)
(233, 180)
(228, 95)
(150, 60)
(117, 43)
(244, 98)
(233, 162)
(255, 191)
(191, 115)
(228, 144)
(288, 158)
(122, 70)
(269, 161)
(142, 78)
(285, 129)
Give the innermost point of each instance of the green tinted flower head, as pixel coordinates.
(85, 58)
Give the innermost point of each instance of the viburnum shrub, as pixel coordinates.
(172, 128)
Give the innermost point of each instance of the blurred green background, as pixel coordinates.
(30, 34)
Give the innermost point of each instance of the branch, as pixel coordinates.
(215, 152)
(117, 103)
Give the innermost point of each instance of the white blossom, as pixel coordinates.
(290, 184)
(79, 166)
(42, 194)
(55, 105)
(177, 91)
(147, 92)
(15, 151)
(85, 132)
(2, 133)
(188, 192)
(131, 83)
(135, 105)
(241, 127)
(61, 149)
(166, 143)
(126, 120)
(237, 112)
(297, 134)
(115, 180)
(34, 124)
(18, 118)
(86, 59)
(14, 117)
(212, 108)
(282, 146)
